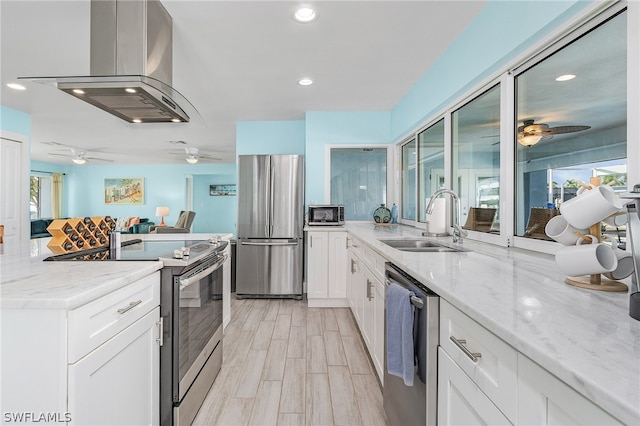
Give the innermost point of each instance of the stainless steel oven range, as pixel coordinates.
(191, 315)
(191, 311)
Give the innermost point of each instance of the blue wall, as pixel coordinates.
(221, 211)
(15, 121)
(270, 137)
(165, 185)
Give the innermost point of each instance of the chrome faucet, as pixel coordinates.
(458, 232)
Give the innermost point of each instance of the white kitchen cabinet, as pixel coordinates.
(327, 268)
(95, 364)
(118, 383)
(502, 386)
(543, 399)
(366, 299)
(495, 369)
(368, 311)
(338, 251)
(460, 400)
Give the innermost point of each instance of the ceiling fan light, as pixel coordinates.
(79, 160)
(192, 160)
(529, 140)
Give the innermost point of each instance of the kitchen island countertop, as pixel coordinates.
(27, 282)
(586, 338)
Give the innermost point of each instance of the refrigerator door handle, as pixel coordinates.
(272, 190)
(286, 243)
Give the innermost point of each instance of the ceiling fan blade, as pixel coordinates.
(98, 159)
(53, 154)
(209, 157)
(567, 129)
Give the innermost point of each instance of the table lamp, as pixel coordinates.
(162, 212)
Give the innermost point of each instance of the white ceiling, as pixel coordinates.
(234, 61)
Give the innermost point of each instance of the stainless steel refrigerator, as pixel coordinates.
(269, 252)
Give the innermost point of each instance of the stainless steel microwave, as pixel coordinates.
(326, 214)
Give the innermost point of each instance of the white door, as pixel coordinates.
(10, 188)
(108, 386)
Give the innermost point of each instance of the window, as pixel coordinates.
(40, 197)
(359, 180)
(571, 123)
(408, 207)
(430, 164)
(476, 161)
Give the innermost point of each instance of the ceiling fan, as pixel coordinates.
(77, 155)
(193, 155)
(531, 133)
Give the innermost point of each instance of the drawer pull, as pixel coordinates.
(460, 343)
(129, 307)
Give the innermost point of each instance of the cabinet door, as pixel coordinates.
(337, 266)
(543, 399)
(460, 400)
(317, 260)
(118, 383)
(352, 281)
(368, 297)
(378, 337)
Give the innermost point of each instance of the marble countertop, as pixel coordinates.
(27, 282)
(586, 338)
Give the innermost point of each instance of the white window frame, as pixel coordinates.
(589, 18)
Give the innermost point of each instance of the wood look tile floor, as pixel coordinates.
(287, 364)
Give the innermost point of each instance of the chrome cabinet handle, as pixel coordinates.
(160, 325)
(354, 266)
(310, 240)
(129, 307)
(460, 343)
(369, 295)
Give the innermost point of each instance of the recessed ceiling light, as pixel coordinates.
(16, 86)
(130, 90)
(305, 14)
(175, 120)
(565, 77)
(78, 91)
(137, 120)
(306, 81)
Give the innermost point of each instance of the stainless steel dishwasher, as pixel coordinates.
(417, 404)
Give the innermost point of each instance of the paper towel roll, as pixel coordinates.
(437, 220)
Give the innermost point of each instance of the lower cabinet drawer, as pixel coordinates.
(494, 369)
(91, 325)
(460, 401)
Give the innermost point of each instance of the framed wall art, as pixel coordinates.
(222, 189)
(124, 191)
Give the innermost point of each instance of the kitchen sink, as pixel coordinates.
(420, 245)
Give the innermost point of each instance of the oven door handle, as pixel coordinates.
(184, 282)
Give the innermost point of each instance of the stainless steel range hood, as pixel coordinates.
(131, 63)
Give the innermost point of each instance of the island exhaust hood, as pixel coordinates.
(131, 63)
